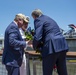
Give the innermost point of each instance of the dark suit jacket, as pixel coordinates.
(47, 31)
(13, 46)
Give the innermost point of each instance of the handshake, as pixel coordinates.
(29, 33)
(29, 44)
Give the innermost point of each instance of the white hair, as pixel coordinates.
(37, 12)
(19, 16)
(22, 16)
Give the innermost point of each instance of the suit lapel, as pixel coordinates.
(18, 31)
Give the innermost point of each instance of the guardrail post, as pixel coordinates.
(27, 64)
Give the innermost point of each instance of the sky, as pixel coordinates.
(62, 11)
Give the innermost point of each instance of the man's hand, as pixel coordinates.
(29, 43)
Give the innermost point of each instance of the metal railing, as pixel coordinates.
(34, 66)
(37, 68)
(2, 68)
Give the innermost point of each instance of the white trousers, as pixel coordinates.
(23, 66)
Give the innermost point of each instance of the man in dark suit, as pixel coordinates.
(54, 46)
(14, 46)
